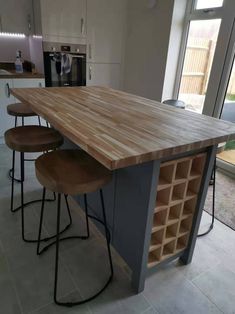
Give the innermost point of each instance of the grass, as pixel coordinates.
(230, 97)
(230, 145)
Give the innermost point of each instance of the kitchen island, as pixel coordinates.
(161, 157)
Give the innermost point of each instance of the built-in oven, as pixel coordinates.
(64, 64)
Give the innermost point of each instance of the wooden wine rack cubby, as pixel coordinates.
(177, 193)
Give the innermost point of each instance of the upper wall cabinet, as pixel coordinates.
(37, 17)
(63, 21)
(16, 16)
(105, 30)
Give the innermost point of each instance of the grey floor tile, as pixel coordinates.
(9, 303)
(10, 224)
(20, 254)
(119, 297)
(170, 292)
(55, 309)
(35, 285)
(204, 258)
(219, 285)
(151, 311)
(88, 265)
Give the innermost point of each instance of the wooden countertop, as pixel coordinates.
(119, 129)
(23, 75)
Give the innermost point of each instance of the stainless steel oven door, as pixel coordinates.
(56, 78)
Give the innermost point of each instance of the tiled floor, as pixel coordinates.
(207, 285)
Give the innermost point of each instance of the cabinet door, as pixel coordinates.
(103, 75)
(28, 83)
(64, 18)
(37, 17)
(6, 122)
(105, 30)
(17, 16)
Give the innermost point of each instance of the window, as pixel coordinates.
(206, 4)
(200, 49)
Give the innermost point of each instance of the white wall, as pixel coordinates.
(36, 53)
(9, 45)
(152, 47)
(30, 47)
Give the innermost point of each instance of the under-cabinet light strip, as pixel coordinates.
(37, 36)
(15, 35)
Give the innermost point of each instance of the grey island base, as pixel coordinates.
(154, 210)
(161, 158)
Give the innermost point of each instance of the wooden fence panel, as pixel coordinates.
(197, 64)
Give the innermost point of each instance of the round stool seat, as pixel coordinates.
(71, 172)
(20, 110)
(175, 103)
(33, 139)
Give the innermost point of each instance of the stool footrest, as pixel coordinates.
(48, 238)
(62, 239)
(73, 237)
(71, 304)
(11, 176)
(32, 202)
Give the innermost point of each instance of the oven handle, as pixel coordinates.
(73, 56)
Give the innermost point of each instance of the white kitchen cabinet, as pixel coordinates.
(16, 16)
(105, 30)
(21, 83)
(37, 17)
(63, 21)
(7, 121)
(103, 74)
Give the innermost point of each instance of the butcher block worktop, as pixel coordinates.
(120, 129)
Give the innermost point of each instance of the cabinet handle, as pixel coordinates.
(89, 49)
(208, 11)
(82, 25)
(29, 22)
(8, 94)
(0, 23)
(90, 72)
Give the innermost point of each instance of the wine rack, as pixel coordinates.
(177, 192)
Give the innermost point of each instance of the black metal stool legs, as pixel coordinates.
(41, 221)
(57, 248)
(12, 180)
(70, 304)
(13, 210)
(22, 207)
(10, 174)
(107, 237)
(213, 204)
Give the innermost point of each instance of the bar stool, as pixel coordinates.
(72, 172)
(30, 139)
(20, 110)
(220, 149)
(175, 103)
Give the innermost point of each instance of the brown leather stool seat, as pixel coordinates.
(73, 172)
(20, 110)
(32, 139)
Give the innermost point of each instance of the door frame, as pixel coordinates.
(220, 71)
(226, 14)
